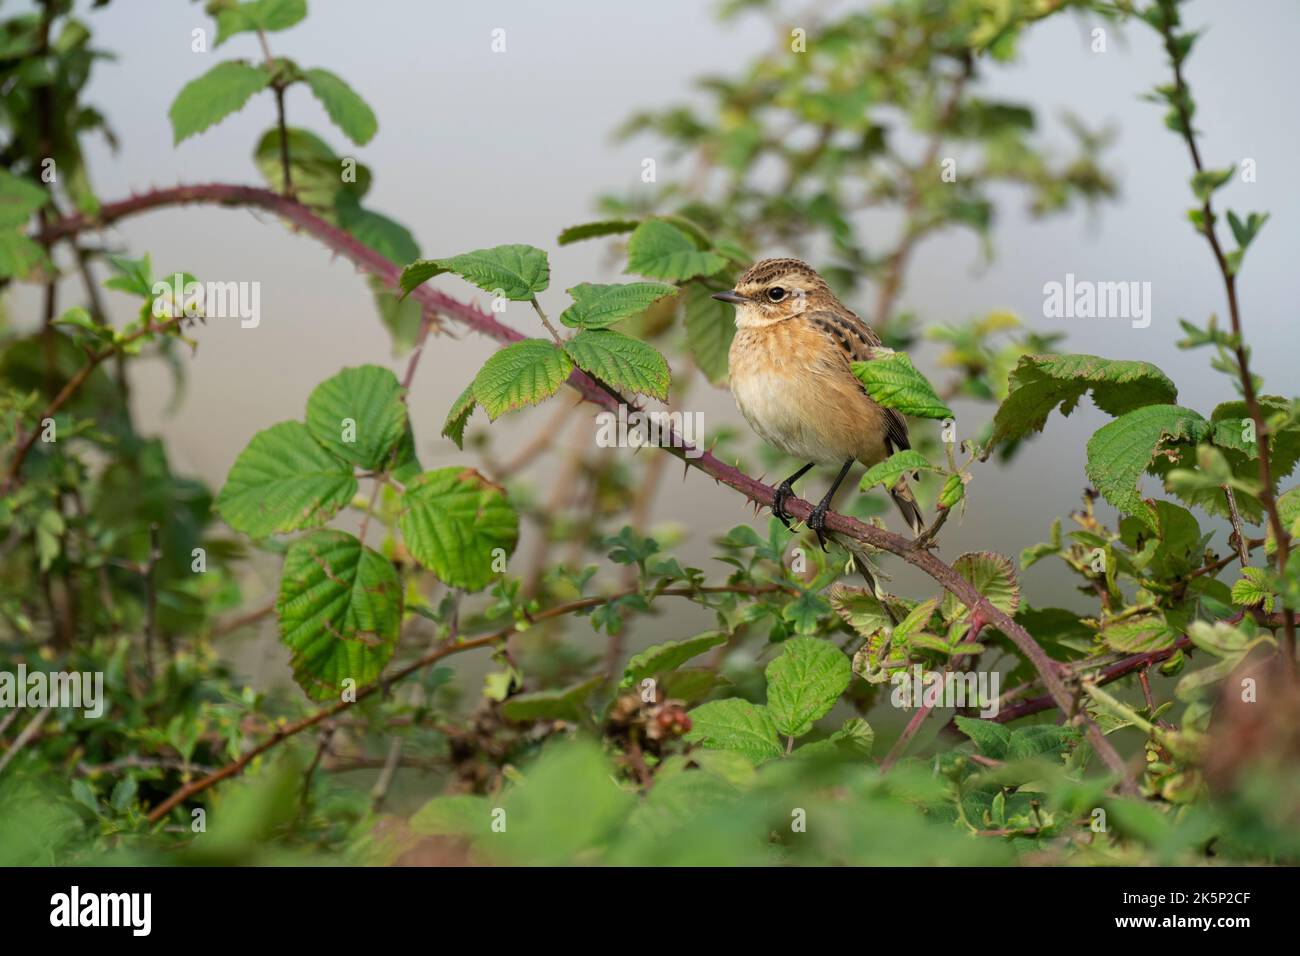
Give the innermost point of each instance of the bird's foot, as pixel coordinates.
(783, 492)
(817, 522)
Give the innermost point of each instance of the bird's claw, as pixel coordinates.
(783, 492)
(817, 522)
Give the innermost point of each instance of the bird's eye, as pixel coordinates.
(776, 293)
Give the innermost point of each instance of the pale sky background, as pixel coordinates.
(476, 149)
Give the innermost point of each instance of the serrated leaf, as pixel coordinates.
(1118, 453)
(524, 373)
(993, 575)
(894, 467)
(268, 15)
(284, 481)
(667, 656)
(863, 611)
(212, 97)
(662, 251)
(340, 610)
(735, 724)
(1029, 742)
(363, 404)
(458, 416)
(594, 230)
(804, 683)
(621, 361)
(1253, 589)
(567, 704)
(710, 327)
(348, 111)
(517, 272)
(991, 739)
(916, 620)
(1039, 383)
(600, 306)
(1139, 634)
(891, 381)
(452, 520)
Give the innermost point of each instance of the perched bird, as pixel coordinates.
(791, 378)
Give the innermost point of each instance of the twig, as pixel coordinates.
(444, 649)
(1182, 97)
(28, 732)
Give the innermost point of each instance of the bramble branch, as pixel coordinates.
(601, 394)
(1181, 101)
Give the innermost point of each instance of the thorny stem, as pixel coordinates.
(1181, 99)
(601, 394)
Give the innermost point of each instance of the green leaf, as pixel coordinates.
(621, 361)
(1042, 382)
(993, 575)
(668, 656)
(735, 724)
(710, 327)
(1205, 182)
(19, 198)
(212, 97)
(1256, 587)
(569, 704)
(600, 306)
(267, 15)
(894, 467)
(1121, 451)
(517, 272)
(340, 610)
(1029, 742)
(1139, 634)
(804, 683)
(525, 373)
(953, 491)
(316, 171)
(662, 251)
(390, 239)
(452, 520)
(284, 481)
(359, 415)
(862, 610)
(1245, 232)
(348, 110)
(892, 382)
(991, 739)
(461, 409)
(594, 230)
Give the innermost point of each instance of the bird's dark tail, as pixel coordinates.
(902, 495)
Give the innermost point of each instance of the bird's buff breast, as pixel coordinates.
(798, 394)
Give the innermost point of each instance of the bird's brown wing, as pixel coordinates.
(856, 339)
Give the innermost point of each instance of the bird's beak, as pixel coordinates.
(735, 298)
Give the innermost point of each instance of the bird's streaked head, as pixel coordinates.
(774, 290)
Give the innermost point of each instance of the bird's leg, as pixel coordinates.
(817, 520)
(784, 491)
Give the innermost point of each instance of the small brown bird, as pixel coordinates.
(791, 379)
